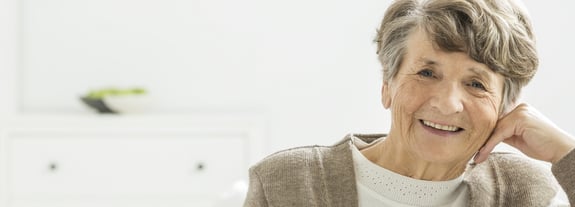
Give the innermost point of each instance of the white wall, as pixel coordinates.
(309, 66)
(551, 91)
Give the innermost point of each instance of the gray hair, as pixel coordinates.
(497, 33)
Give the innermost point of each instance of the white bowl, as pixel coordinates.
(128, 104)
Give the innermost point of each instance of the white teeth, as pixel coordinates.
(439, 126)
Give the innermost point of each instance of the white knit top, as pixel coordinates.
(378, 186)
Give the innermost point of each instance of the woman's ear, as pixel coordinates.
(385, 95)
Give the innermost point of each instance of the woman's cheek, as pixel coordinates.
(486, 120)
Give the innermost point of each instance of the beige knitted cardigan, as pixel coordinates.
(323, 176)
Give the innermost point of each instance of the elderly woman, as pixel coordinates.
(452, 74)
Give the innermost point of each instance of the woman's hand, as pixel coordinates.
(529, 131)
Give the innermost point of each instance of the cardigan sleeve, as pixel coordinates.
(256, 196)
(564, 171)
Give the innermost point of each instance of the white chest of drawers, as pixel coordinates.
(125, 161)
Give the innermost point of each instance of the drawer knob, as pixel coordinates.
(200, 166)
(53, 167)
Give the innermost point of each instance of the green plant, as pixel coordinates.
(106, 92)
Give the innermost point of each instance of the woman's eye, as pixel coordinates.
(425, 73)
(477, 85)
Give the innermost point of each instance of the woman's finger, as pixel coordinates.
(503, 130)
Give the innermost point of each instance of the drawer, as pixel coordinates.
(80, 164)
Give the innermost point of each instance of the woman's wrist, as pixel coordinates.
(564, 149)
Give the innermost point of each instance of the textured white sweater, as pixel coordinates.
(377, 186)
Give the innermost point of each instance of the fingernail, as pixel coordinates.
(477, 155)
(481, 149)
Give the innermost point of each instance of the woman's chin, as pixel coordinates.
(439, 154)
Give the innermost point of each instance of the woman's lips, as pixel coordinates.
(440, 129)
(440, 126)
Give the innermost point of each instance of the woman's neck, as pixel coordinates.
(393, 156)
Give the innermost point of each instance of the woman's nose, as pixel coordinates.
(447, 99)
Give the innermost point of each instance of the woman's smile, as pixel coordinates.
(440, 129)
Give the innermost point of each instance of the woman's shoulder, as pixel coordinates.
(512, 178)
(290, 156)
(518, 166)
(304, 159)
(310, 175)
(306, 155)
(514, 167)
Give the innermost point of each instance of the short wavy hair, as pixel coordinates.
(497, 33)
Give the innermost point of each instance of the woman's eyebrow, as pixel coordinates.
(426, 61)
(481, 73)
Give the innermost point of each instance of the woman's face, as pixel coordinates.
(444, 104)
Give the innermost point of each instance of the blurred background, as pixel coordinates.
(270, 74)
